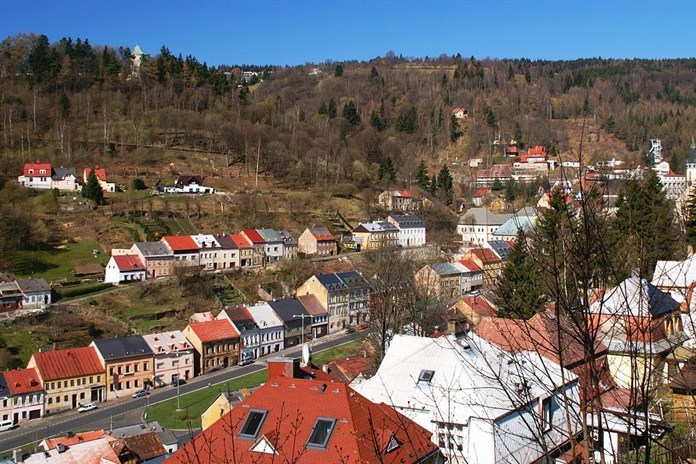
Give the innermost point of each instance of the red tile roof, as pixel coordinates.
(180, 243)
(538, 150)
(241, 241)
(99, 172)
(23, 381)
(481, 192)
(77, 438)
(470, 265)
(128, 263)
(312, 305)
(253, 235)
(37, 167)
(480, 306)
(511, 150)
(65, 364)
(293, 407)
(405, 193)
(322, 234)
(486, 255)
(219, 329)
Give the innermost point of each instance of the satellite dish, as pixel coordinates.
(305, 353)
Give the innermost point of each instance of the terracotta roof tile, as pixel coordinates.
(37, 168)
(128, 262)
(180, 243)
(241, 241)
(253, 235)
(23, 381)
(219, 329)
(65, 364)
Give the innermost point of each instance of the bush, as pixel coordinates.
(82, 289)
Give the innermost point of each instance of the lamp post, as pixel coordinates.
(302, 316)
(178, 383)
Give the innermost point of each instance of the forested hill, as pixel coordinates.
(70, 102)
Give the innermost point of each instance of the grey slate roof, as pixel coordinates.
(484, 216)
(122, 347)
(270, 235)
(343, 280)
(226, 242)
(500, 247)
(287, 237)
(514, 224)
(61, 173)
(286, 308)
(445, 269)
(153, 249)
(408, 221)
(33, 285)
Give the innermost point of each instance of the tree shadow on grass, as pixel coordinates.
(26, 265)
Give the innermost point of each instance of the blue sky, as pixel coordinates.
(295, 32)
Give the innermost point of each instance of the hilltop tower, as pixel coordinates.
(656, 150)
(136, 61)
(691, 166)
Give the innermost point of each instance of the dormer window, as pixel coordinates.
(321, 433)
(426, 376)
(252, 424)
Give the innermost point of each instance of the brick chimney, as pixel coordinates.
(281, 366)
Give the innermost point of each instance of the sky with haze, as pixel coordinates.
(297, 32)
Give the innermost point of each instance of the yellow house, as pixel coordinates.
(218, 408)
(70, 377)
(376, 235)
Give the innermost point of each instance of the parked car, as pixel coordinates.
(362, 327)
(6, 425)
(140, 393)
(350, 329)
(178, 382)
(87, 407)
(245, 361)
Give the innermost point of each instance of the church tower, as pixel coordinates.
(691, 167)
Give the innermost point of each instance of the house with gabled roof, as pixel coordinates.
(258, 244)
(411, 229)
(641, 325)
(70, 377)
(375, 235)
(489, 262)
(345, 295)
(10, 295)
(399, 200)
(65, 179)
(184, 249)
(297, 322)
(460, 112)
(481, 403)
(501, 173)
(310, 420)
(216, 344)
(173, 357)
(209, 251)
(101, 178)
(440, 280)
(189, 184)
(124, 268)
(317, 241)
(156, 256)
(273, 243)
(247, 257)
(36, 293)
(478, 225)
(678, 278)
(36, 175)
(271, 336)
(249, 332)
(320, 316)
(128, 362)
(228, 258)
(472, 275)
(289, 244)
(21, 395)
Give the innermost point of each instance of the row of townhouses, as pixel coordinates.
(27, 294)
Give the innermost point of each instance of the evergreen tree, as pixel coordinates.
(332, 111)
(445, 185)
(387, 171)
(422, 178)
(433, 185)
(63, 106)
(454, 129)
(510, 73)
(322, 108)
(373, 73)
(92, 190)
(517, 135)
(339, 70)
(407, 121)
(491, 120)
(377, 122)
(644, 227)
(350, 113)
(519, 293)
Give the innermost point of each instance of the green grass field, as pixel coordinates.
(56, 263)
(193, 404)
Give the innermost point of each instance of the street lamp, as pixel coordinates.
(178, 382)
(302, 316)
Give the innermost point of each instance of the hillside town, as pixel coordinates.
(363, 260)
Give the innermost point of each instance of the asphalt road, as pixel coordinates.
(128, 411)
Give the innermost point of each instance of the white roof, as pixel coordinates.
(472, 378)
(675, 276)
(484, 216)
(205, 241)
(167, 341)
(264, 316)
(635, 296)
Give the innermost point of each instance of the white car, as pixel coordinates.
(87, 407)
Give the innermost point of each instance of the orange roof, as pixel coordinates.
(241, 241)
(99, 172)
(481, 192)
(75, 439)
(65, 364)
(292, 406)
(219, 329)
(37, 168)
(470, 265)
(405, 193)
(23, 381)
(180, 243)
(128, 263)
(486, 255)
(538, 150)
(253, 235)
(480, 305)
(457, 109)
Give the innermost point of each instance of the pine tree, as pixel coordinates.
(377, 122)
(387, 171)
(519, 293)
(373, 73)
(92, 190)
(322, 108)
(339, 70)
(332, 111)
(407, 121)
(422, 178)
(433, 185)
(445, 185)
(350, 113)
(518, 135)
(454, 129)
